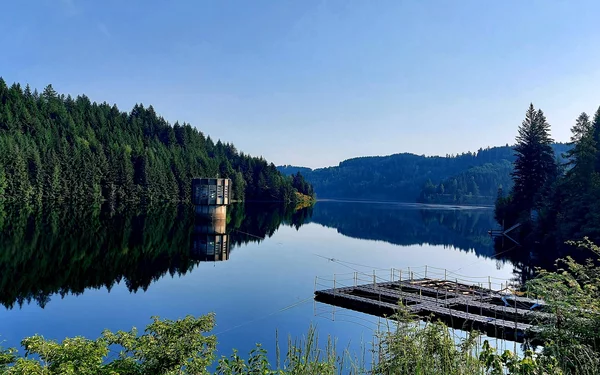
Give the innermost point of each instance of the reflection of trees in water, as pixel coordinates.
(68, 250)
(255, 221)
(464, 229)
(531, 256)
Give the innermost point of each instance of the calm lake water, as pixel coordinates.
(67, 273)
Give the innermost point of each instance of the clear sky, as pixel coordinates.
(314, 82)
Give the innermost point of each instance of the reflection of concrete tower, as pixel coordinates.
(210, 197)
(210, 241)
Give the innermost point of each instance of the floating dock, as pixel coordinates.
(498, 313)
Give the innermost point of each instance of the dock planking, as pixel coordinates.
(458, 305)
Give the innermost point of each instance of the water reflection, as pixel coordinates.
(67, 250)
(210, 240)
(464, 228)
(60, 251)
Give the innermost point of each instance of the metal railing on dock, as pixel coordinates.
(485, 303)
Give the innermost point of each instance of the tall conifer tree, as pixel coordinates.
(582, 155)
(596, 135)
(535, 164)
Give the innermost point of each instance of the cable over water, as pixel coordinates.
(295, 304)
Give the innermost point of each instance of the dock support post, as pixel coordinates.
(400, 275)
(391, 274)
(445, 287)
(316, 277)
(409, 274)
(334, 285)
(445, 274)
(468, 300)
(425, 271)
(374, 279)
(481, 303)
(490, 283)
(515, 321)
(355, 278)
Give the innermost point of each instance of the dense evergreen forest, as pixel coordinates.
(476, 185)
(67, 250)
(554, 202)
(58, 148)
(472, 177)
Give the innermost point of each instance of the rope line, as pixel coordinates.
(479, 260)
(337, 261)
(249, 234)
(295, 304)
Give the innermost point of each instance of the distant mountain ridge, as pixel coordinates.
(407, 177)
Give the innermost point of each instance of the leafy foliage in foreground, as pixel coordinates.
(408, 347)
(184, 347)
(167, 347)
(572, 335)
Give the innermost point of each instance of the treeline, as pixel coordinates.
(555, 202)
(58, 148)
(409, 178)
(479, 184)
(476, 185)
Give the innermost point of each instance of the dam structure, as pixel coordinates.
(211, 196)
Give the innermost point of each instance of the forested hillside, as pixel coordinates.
(465, 178)
(476, 185)
(58, 148)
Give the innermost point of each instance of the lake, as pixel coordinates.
(64, 272)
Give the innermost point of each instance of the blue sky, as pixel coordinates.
(314, 82)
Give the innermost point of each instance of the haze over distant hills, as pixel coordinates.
(472, 177)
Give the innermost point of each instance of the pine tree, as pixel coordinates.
(596, 137)
(239, 185)
(3, 184)
(535, 165)
(582, 155)
(582, 128)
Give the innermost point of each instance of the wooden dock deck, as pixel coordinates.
(459, 305)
